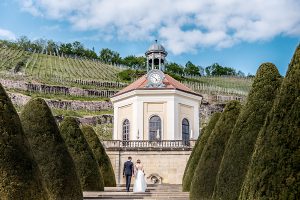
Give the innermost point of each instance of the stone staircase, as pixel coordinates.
(153, 192)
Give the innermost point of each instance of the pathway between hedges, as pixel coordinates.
(159, 192)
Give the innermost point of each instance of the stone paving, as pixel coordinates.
(153, 192)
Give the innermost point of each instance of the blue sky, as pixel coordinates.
(233, 33)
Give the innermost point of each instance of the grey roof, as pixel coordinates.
(155, 47)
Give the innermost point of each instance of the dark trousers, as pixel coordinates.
(128, 181)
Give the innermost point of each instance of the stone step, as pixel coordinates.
(158, 192)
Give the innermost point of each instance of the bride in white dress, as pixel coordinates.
(140, 184)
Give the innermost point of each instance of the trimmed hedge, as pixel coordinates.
(241, 143)
(50, 152)
(19, 174)
(204, 179)
(102, 158)
(189, 160)
(84, 159)
(274, 169)
(197, 151)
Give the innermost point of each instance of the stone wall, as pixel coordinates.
(54, 89)
(21, 100)
(206, 110)
(169, 164)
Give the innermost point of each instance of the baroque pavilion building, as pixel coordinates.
(156, 107)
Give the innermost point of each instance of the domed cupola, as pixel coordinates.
(156, 55)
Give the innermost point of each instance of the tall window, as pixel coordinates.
(185, 131)
(126, 128)
(155, 128)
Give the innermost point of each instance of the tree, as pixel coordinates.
(66, 49)
(240, 146)
(135, 62)
(204, 179)
(51, 47)
(241, 74)
(109, 56)
(50, 152)
(78, 49)
(197, 151)
(174, 68)
(274, 169)
(218, 70)
(19, 174)
(84, 159)
(102, 158)
(24, 43)
(191, 69)
(201, 71)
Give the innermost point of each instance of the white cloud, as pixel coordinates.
(183, 26)
(6, 34)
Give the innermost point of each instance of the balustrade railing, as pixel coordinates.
(149, 144)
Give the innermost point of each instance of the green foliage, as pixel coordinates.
(197, 151)
(100, 155)
(85, 162)
(191, 69)
(19, 174)
(104, 131)
(174, 68)
(108, 56)
(129, 74)
(204, 179)
(135, 62)
(274, 169)
(241, 143)
(218, 70)
(50, 152)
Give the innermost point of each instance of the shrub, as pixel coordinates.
(203, 182)
(102, 158)
(85, 162)
(50, 151)
(19, 175)
(241, 143)
(197, 151)
(274, 169)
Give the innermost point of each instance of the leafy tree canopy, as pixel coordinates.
(191, 69)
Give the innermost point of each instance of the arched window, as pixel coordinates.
(126, 129)
(155, 128)
(185, 131)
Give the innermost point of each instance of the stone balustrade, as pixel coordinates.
(149, 145)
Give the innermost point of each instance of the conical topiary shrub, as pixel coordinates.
(194, 159)
(190, 158)
(102, 158)
(241, 143)
(50, 151)
(19, 174)
(204, 179)
(84, 159)
(274, 169)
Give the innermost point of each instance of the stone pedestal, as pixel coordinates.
(164, 163)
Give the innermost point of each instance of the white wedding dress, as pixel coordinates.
(140, 184)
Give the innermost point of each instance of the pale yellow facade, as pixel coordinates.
(171, 106)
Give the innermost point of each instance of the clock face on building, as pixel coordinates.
(155, 78)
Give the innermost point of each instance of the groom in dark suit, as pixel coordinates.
(128, 172)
